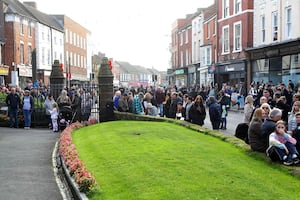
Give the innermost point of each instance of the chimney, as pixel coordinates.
(30, 3)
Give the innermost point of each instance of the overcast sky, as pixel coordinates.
(136, 31)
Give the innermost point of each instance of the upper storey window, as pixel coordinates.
(237, 6)
(225, 8)
(275, 26)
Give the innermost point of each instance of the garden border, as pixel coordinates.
(293, 170)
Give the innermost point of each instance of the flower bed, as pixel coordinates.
(86, 182)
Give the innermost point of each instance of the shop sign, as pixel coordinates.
(236, 67)
(179, 71)
(4, 71)
(25, 71)
(229, 69)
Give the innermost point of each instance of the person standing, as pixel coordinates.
(27, 105)
(160, 97)
(13, 102)
(123, 103)
(137, 104)
(76, 107)
(197, 111)
(248, 109)
(49, 106)
(214, 113)
(54, 117)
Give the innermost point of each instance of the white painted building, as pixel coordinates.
(276, 32)
(49, 42)
(49, 47)
(275, 21)
(197, 37)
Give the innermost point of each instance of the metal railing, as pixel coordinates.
(89, 94)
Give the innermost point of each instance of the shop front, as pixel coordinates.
(277, 63)
(231, 73)
(4, 70)
(25, 74)
(181, 77)
(191, 76)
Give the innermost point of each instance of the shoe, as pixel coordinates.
(296, 161)
(294, 156)
(284, 157)
(288, 162)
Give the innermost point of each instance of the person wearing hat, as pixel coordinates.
(27, 106)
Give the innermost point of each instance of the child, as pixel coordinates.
(284, 144)
(54, 116)
(223, 118)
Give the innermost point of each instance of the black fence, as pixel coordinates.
(89, 94)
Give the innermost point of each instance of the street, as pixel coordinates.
(234, 117)
(26, 169)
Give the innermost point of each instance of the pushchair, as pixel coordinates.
(65, 117)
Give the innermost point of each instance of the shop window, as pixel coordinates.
(296, 58)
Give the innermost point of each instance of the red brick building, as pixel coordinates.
(209, 47)
(75, 65)
(235, 34)
(19, 34)
(181, 51)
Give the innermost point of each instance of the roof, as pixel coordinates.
(131, 69)
(44, 18)
(210, 11)
(16, 7)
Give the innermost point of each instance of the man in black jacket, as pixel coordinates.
(13, 102)
(214, 113)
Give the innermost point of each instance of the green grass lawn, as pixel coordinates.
(159, 160)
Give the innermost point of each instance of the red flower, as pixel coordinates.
(69, 153)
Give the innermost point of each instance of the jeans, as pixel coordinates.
(27, 118)
(290, 147)
(160, 109)
(13, 117)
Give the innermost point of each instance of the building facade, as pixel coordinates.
(19, 33)
(75, 50)
(183, 72)
(197, 42)
(275, 53)
(49, 40)
(209, 46)
(235, 31)
(4, 69)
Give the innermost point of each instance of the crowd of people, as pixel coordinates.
(267, 109)
(22, 103)
(271, 112)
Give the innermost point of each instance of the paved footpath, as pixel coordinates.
(26, 170)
